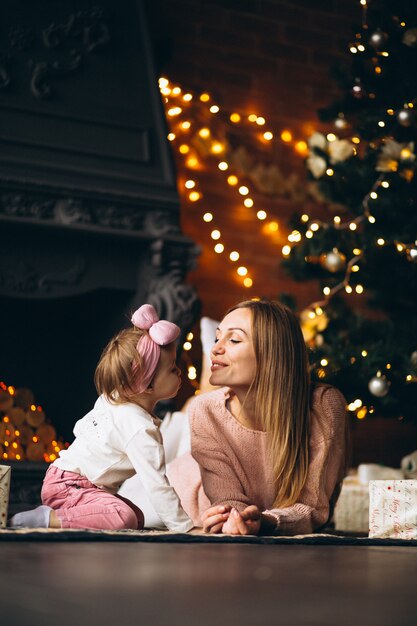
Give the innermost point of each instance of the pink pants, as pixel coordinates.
(80, 504)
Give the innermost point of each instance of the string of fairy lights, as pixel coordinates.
(197, 141)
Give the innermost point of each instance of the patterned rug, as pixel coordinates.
(60, 535)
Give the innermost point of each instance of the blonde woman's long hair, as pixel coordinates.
(114, 376)
(282, 393)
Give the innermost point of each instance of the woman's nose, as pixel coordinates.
(218, 347)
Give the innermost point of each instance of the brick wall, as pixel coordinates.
(268, 57)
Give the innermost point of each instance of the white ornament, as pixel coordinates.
(379, 386)
(333, 261)
(317, 165)
(340, 150)
(317, 140)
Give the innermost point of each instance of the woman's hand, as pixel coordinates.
(248, 522)
(214, 518)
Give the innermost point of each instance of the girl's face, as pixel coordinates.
(167, 379)
(233, 361)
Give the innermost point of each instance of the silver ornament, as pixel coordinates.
(340, 122)
(405, 117)
(379, 386)
(333, 261)
(412, 254)
(378, 38)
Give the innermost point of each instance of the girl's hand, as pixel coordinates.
(246, 523)
(214, 518)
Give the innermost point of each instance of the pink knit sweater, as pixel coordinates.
(233, 466)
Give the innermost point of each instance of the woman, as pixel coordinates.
(271, 451)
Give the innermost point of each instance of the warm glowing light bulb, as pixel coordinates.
(260, 121)
(301, 147)
(314, 226)
(286, 250)
(215, 234)
(286, 136)
(353, 226)
(336, 219)
(348, 289)
(184, 149)
(324, 362)
(359, 289)
(248, 282)
(186, 125)
(329, 171)
(273, 227)
(217, 148)
(268, 135)
(331, 137)
(261, 215)
(252, 117)
(305, 218)
(243, 190)
(189, 184)
(171, 136)
(204, 97)
(248, 202)
(208, 217)
(385, 184)
(234, 256)
(235, 118)
(219, 247)
(187, 345)
(187, 97)
(373, 195)
(223, 166)
(214, 108)
(232, 180)
(174, 111)
(242, 270)
(192, 162)
(204, 132)
(380, 241)
(356, 140)
(192, 372)
(194, 196)
(326, 291)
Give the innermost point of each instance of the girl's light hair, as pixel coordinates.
(282, 393)
(114, 373)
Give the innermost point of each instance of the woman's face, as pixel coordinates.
(233, 362)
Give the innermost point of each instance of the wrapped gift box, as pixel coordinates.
(4, 493)
(351, 513)
(393, 509)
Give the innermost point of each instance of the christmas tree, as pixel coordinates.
(363, 331)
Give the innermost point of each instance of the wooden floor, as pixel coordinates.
(78, 584)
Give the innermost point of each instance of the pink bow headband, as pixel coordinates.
(160, 333)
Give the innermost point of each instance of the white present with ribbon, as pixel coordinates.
(393, 509)
(5, 473)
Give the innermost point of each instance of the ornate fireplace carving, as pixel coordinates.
(89, 210)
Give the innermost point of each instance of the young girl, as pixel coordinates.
(269, 450)
(118, 438)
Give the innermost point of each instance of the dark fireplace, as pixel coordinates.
(89, 210)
